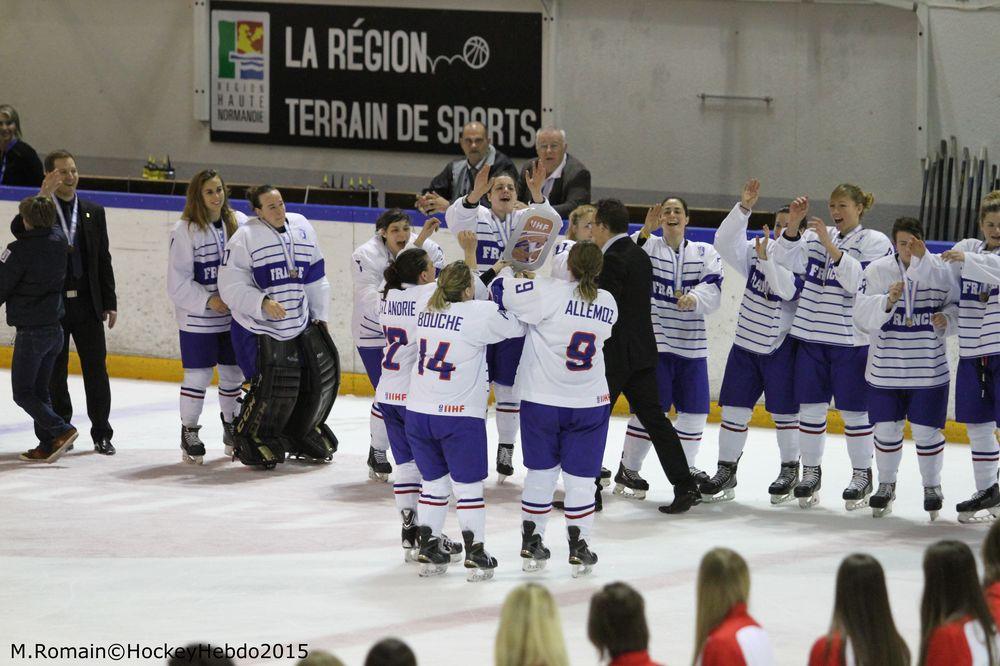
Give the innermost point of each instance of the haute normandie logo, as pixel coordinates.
(241, 71)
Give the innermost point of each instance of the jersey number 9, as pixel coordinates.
(580, 351)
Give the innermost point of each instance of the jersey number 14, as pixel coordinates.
(437, 362)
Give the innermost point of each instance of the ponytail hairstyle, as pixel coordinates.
(723, 582)
(585, 262)
(991, 556)
(951, 591)
(195, 210)
(848, 191)
(862, 616)
(578, 215)
(451, 285)
(407, 268)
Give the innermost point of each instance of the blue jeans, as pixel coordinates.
(35, 352)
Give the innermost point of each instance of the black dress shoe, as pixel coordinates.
(104, 447)
(686, 495)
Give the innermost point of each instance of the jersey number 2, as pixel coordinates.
(395, 338)
(580, 351)
(435, 363)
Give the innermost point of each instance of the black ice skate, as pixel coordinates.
(628, 483)
(858, 491)
(984, 506)
(192, 448)
(605, 479)
(433, 560)
(722, 486)
(581, 558)
(933, 501)
(479, 563)
(505, 462)
(534, 554)
(379, 468)
(453, 548)
(410, 536)
(781, 488)
(807, 491)
(227, 437)
(881, 501)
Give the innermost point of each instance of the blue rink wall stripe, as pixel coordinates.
(354, 214)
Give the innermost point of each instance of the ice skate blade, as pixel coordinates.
(531, 565)
(411, 555)
(881, 513)
(428, 569)
(854, 505)
(972, 517)
(809, 502)
(380, 477)
(933, 515)
(726, 495)
(193, 460)
(501, 478)
(605, 482)
(580, 570)
(781, 499)
(477, 575)
(628, 493)
(230, 451)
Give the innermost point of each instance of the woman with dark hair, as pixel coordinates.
(19, 163)
(616, 625)
(862, 631)
(197, 247)
(956, 627)
(991, 570)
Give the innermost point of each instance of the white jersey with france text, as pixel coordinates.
(563, 359)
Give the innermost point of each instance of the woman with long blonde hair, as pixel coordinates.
(530, 633)
(725, 634)
(197, 248)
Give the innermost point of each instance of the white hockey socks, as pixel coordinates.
(508, 413)
(930, 453)
(196, 381)
(536, 498)
(406, 486)
(636, 446)
(580, 503)
(787, 427)
(471, 509)
(812, 432)
(690, 428)
(380, 439)
(230, 385)
(733, 432)
(860, 443)
(985, 453)
(888, 449)
(433, 505)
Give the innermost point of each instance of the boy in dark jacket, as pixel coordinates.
(32, 272)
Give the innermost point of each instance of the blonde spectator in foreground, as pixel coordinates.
(530, 633)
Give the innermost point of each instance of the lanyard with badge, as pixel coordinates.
(219, 236)
(70, 229)
(840, 246)
(293, 271)
(909, 292)
(679, 268)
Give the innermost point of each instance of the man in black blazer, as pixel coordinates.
(89, 297)
(568, 183)
(630, 352)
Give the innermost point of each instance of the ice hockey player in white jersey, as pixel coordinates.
(831, 355)
(446, 414)
(197, 245)
(975, 268)
(581, 223)
(273, 277)
(907, 371)
(565, 404)
(368, 263)
(493, 227)
(687, 285)
(762, 358)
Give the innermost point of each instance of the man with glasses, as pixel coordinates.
(568, 183)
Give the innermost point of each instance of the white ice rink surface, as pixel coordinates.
(140, 548)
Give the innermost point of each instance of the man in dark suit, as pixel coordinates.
(568, 183)
(89, 297)
(630, 352)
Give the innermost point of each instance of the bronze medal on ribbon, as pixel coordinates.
(984, 296)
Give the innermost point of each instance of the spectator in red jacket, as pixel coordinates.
(725, 634)
(956, 628)
(617, 626)
(862, 632)
(991, 570)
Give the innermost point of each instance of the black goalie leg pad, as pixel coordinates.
(258, 431)
(306, 429)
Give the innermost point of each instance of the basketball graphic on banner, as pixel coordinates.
(476, 52)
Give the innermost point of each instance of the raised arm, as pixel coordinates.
(731, 236)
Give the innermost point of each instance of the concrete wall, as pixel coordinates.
(112, 79)
(146, 325)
